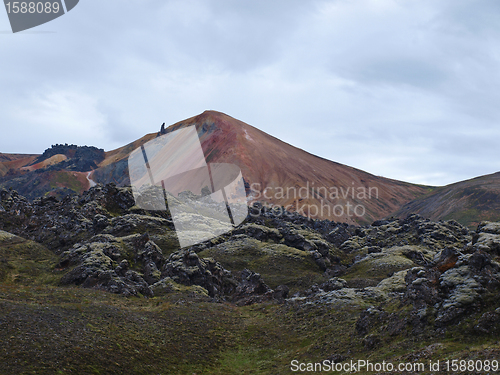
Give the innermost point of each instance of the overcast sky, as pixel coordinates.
(405, 89)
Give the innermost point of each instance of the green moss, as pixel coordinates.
(244, 360)
(67, 180)
(25, 262)
(167, 242)
(80, 331)
(471, 217)
(374, 268)
(277, 263)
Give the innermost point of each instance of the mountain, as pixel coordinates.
(11, 162)
(280, 174)
(93, 283)
(275, 173)
(59, 171)
(468, 202)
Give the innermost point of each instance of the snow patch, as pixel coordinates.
(247, 136)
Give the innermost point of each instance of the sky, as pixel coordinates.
(405, 89)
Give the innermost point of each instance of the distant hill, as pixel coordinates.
(13, 162)
(71, 157)
(60, 170)
(468, 202)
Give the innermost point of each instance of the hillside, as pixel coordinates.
(92, 284)
(468, 202)
(10, 162)
(59, 171)
(276, 174)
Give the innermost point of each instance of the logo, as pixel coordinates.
(204, 199)
(27, 14)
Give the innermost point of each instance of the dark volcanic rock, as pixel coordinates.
(80, 158)
(253, 289)
(452, 287)
(369, 318)
(489, 323)
(251, 283)
(185, 267)
(442, 270)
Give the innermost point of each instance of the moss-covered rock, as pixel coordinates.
(25, 262)
(371, 268)
(277, 263)
(394, 284)
(489, 227)
(488, 242)
(167, 285)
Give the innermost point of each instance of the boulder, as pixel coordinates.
(186, 267)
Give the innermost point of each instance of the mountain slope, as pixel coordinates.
(468, 202)
(294, 178)
(14, 161)
(114, 167)
(59, 171)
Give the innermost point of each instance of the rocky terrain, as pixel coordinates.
(78, 158)
(91, 283)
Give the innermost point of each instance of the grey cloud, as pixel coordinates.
(391, 87)
(403, 72)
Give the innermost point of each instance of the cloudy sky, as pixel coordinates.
(406, 89)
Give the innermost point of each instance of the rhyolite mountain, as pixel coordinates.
(59, 171)
(289, 177)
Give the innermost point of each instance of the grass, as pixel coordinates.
(69, 330)
(25, 262)
(48, 329)
(276, 263)
(84, 331)
(66, 179)
(472, 217)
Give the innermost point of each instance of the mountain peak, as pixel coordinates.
(211, 118)
(280, 174)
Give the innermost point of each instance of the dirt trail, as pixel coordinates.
(91, 182)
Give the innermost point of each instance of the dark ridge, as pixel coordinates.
(80, 158)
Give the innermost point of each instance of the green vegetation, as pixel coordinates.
(277, 263)
(67, 180)
(54, 330)
(405, 291)
(471, 217)
(25, 262)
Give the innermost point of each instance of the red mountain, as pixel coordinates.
(282, 175)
